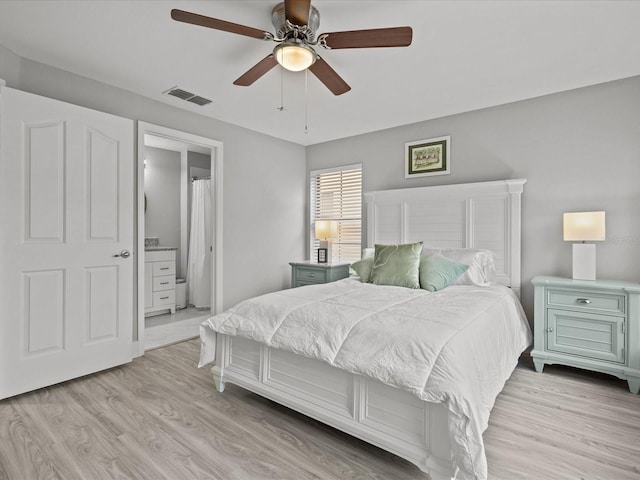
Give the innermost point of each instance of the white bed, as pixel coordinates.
(418, 414)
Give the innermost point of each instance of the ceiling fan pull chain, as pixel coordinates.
(281, 107)
(306, 101)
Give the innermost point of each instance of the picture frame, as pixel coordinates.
(322, 255)
(427, 157)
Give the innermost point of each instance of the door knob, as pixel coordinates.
(123, 254)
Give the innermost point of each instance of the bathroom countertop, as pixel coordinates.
(159, 249)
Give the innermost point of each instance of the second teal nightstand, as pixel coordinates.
(587, 324)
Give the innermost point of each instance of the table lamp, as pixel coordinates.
(584, 227)
(325, 230)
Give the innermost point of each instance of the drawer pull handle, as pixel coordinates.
(311, 275)
(164, 268)
(584, 301)
(164, 283)
(164, 298)
(549, 329)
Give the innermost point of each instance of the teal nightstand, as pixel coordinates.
(309, 273)
(593, 325)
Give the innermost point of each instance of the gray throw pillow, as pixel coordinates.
(363, 269)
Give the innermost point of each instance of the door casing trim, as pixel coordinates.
(145, 128)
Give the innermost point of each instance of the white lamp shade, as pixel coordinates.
(583, 226)
(326, 229)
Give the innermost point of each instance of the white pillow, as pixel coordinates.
(482, 270)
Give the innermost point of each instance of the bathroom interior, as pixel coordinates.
(178, 240)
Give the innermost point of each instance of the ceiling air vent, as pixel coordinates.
(187, 96)
(199, 100)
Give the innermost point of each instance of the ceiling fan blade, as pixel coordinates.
(329, 77)
(257, 71)
(376, 37)
(196, 19)
(297, 11)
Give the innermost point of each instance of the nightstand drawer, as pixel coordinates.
(587, 300)
(588, 335)
(311, 275)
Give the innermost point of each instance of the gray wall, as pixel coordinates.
(199, 160)
(264, 201)
(162, 189)
(9, 67)
(579, 151)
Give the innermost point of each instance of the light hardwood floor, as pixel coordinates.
(160, 418)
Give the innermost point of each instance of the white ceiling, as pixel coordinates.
(465, 55)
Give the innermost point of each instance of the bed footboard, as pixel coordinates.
(384, 416)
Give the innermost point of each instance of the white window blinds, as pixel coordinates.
(336, 194)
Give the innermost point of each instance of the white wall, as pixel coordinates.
(264, 178)
(579, 150)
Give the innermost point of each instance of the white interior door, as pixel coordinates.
(66, 208)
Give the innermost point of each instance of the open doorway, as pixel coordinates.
(179, 234)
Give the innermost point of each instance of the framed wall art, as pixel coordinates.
(427, 157)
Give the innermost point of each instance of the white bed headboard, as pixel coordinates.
(482, 215)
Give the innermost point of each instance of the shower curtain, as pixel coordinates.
(200, 245)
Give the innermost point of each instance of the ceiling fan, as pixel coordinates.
(296, 22)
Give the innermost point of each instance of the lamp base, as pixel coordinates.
(584, 261)
(324, 252)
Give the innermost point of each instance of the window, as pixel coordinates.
(336, 194)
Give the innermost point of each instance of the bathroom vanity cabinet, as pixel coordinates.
(159, 281)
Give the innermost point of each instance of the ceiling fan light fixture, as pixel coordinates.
(294, 55)
(296, 23)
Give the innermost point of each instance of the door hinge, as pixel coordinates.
(622, 324)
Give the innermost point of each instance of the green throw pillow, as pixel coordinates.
(438, 272)
(397, 265)
(363, 269)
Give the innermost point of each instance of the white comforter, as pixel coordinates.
(457, 346)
